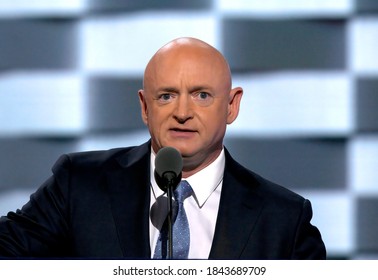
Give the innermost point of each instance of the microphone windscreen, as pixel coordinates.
(168, 159)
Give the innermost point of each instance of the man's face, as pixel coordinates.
(187, 103)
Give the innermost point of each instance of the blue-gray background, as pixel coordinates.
(70, 71)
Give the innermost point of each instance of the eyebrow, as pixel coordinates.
(191, 89)
(168, 89)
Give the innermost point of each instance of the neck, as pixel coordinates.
(190, 168)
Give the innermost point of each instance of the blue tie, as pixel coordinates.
(181, 234)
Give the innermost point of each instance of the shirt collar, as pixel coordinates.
(203, 182)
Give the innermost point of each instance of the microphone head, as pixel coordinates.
(168, 168)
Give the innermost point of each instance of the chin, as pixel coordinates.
(185, 151)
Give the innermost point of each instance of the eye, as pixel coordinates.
(203, 98)
(203, 95)
(165, 96)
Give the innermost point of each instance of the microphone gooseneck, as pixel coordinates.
(168, 172)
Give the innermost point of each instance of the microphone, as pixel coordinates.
(168, 172)
(168, 168)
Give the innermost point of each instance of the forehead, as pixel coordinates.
(205, 65)
(189, 63)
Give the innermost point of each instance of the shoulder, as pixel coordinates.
(88, 159)
(96, 160)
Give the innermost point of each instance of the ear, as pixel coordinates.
(234, 104)
(143, 106)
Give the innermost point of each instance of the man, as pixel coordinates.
(101, 204)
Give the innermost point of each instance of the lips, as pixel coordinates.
(182, 132)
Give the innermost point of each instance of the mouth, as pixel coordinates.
(182, 132)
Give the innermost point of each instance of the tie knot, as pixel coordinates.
(183, 191)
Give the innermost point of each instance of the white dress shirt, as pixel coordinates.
(201, 208)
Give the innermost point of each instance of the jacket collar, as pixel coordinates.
(239, 209)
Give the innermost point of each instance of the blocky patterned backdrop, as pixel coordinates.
(70, 71)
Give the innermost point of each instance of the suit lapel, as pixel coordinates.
(128, 184)
(239, 209)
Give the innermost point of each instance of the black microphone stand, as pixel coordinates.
(168, 172)
(170, 222)
(168, 183)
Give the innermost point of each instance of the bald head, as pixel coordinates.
(180, 51)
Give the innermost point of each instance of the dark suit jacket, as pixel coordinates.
(96, 206)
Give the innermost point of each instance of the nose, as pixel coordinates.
(183, 110)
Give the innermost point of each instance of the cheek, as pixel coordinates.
(214, 121)
(156, 119)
